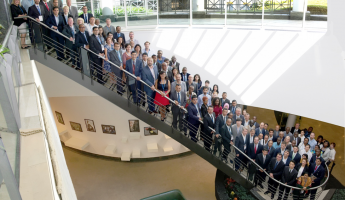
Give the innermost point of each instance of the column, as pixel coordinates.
(291, 121)
(298, 8)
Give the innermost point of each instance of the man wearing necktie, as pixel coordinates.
(97, 58)
(55, 21)
(85, 15)
(317, 172)
(226, 133)
(209, 122)
(289, 178)
(262, 159)
(180, 100)
(72, 10)
(220, 122)
(82, 39)
(69, 30)
(194, 118)
(116, 58)
(275, 170)
(36, 11)
(184, 74)
(135, 66)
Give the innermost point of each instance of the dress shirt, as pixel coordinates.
(308, 153)
(118, 54)
(293, 155)
(300, 171)
(229, 129)
(264, 158)
(251, 139)
(149, 52)
(246, 123)
(301, 147)
(270, 138)
(212, 117)
(38, 8)
(244, 140)
(302, 138)
(285, 159)
(282, 151)
(276, 145)
(66, 17)
(197, 110)
(86, 20)
(312, 143)
(184, 77)
(57, 21)
(153, 73)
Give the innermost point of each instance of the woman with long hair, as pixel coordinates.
(110, 35)
(122, 43)
(199, 83)
(174, 73)
(217, 108)
(18, 10)
(108, 47)
(137, 48)
(101, 35)
(162, 84)
(215, 88)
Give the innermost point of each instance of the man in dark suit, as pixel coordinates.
(135, 67)
(233, 107)
(48, 9)
(296, 129)
(275, 170)
(237, 128)
(316, 155)
(184, 74)
(119, 34)
(262, 159)
(191, 82)
(294, 155)
(82, 39)
(209, 122)
(254, 149)
(238, 115)
(157, 64)
(224, 100)
(296, 138)
(55, 3)
(260, 129)
(70, 31)
(276, 133)
(250, 138)
(226, 133)
(72, 10)
(116, 58)
(240, 143)
(175, 63)
(36, 11)
(149, 76)
(270, 148)
(256, 124)
(177, 108)
(289, 178)
(55, 22)
(220, 121)
(86, 16)
(193, 118)
(280, 150)
(98, 49)
(65, 15)
(318, 173)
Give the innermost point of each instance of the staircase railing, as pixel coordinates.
(243, 164)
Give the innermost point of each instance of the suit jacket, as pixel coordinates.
(220, 122)
(231, 107)
(297, 157)
(64, 19)
(293, 130)
(88, 17)
(183, 87)
(257, 131)
(251, 151)
(34, 13)
(298, 140)
(95, 46)
(148, 78)
(52, 22)
(234, 119)
(114, 58)
(289, 178)
(183, 101)
(234, 131)
(138, 67)
(248, 140)
(260, 160)
(203, 110)
(256, 124)
(60, 4)
(74, 12)
(193, 114)
(194, 84)
(305, 170)
(177, 65)
(47, 12)
(287, 160)
(319, 173)
(222, 102)
(67, 31)
(278, 171)
(271, 151)
(209, 123)
(313, 159)
(278, 150)
(182, 77)
(80, 40)
(226, 135)
(239, 143)
(116, 37)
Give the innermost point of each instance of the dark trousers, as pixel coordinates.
(150, 99)
(193, 130)
(119, 85)
(136, 92)
(259, 178)
(313, 192)
(207, 140)
(58, 44)
(177, 113)
(238, 162)
(217, 146)
(281, 192)
(272, 186)
(96, 65)
(71, 53)
(226, 151)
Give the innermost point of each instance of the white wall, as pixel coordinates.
(77, 109)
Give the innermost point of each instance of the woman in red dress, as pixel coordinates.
(163, 85)
(217, 108)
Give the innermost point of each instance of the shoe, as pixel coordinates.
(73, 66)
(150, 112)
(267, 192)
(59, 59)
(155, 112)
(260, 185)
(119, 93)
(143, 104)
(272, 196)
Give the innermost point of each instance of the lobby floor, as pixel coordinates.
(95, 178)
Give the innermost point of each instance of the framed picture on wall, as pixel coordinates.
(59, 118)
(109, 129)
(134, 125)
(150, 131)
(90, 126)
(76, 126)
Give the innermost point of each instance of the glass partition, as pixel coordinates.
(141, 12)
(244, 12)
(174, 12)
(208, 12)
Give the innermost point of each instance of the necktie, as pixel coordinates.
(85, 17)
(133, 67)
(72, 31)
(275, 165)
(229, 129)
(85, 37)
(315, 168)
(233, 110)
(290, 170)
(38, 8)
(69, 11)
(178, 98)
(47, 6)
(118, 35)
(212, 118)
(255, 149)
(293, 156)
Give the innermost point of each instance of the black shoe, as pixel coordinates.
(267, 192)
(119, 93)
(150, 112)
(59, 59)
(260, 185)
(272, 196)
(143, 104)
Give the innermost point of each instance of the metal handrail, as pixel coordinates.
(4, 43)
(43, 24)
(133, 76)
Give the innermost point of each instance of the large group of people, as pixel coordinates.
(291, 156)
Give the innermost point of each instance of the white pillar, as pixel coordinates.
(291, 121)
(298, 5)
(198, 5)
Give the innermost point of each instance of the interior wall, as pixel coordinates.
(101, 111)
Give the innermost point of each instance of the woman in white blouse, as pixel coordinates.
(90, 25)
(302, 167)
(329, 154)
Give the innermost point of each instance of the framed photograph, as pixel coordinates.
(109, 129)
(150, 131)
(76, 126)
(90, 126)
(134, 125)
(59, 118)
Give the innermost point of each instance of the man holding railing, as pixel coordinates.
(55, 21)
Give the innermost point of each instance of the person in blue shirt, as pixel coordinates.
(205, 93)
(312, 142)
(277, 144)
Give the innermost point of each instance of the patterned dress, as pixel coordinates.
(109, 49)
